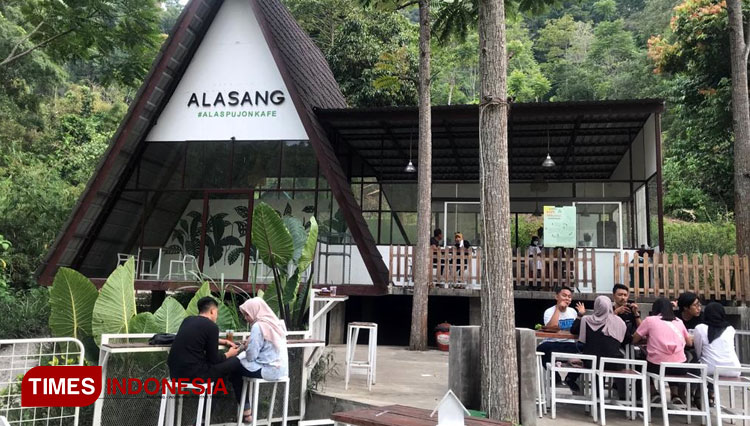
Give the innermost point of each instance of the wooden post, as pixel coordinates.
(727, 276)
(390, 263)
(677, 275)
(746, 278)
(593, 271)
(696, 274)
(717, 277)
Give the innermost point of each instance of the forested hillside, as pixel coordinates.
(68, 71)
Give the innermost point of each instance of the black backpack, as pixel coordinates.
(162, 339)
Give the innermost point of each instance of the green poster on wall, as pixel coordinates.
(560, 226)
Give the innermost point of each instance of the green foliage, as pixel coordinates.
(115, 305)
(711, 238)
(285, 247)
(25, 314)
(71, 298)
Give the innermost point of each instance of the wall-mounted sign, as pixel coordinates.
(231, 88)
(560, 226)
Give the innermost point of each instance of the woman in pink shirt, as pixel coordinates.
(666, 339)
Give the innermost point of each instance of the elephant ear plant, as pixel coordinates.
(288, 250)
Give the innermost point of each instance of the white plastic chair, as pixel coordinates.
(696, 377)
(632, 376)
(181, 266)
(370, 365)
(541, 386)
(587, 373)
(743, 382)
(252, 397)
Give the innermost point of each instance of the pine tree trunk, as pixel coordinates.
(741, 124)
(422, 260)
(498, 335)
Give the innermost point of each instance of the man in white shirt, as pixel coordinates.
(562, 316)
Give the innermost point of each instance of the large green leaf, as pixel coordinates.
(71, 301)
(270, 236)
(308, 252)
(116, 303)
(143, 323)
(270, 295)
(226, 320)
(297, 231)
(169, 316)
(202, 292)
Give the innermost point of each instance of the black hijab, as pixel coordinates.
(716, 319)
(662, 306)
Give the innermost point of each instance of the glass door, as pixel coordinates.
(225, 238)
(599, 225)
(463, 217)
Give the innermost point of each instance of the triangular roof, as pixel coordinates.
(453, 396)
(311, 85)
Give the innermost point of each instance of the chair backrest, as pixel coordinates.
(627, 363)
(696, 371)
(561, 356)
(727, 376)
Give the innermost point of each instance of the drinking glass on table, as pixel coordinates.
(230, 335)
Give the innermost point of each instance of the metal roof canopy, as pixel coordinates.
(587, 139)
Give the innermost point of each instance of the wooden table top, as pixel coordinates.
(400, 415)
(555, 335)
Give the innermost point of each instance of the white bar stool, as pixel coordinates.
(696, 375)
(541, 386)
(588, 374)
(254, 394)
(742, 382)
(632, 376)
(372, 346)
(167, 406)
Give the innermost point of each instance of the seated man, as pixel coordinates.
(628, 312)
(437, 238)
(195, 351)
(562, 316)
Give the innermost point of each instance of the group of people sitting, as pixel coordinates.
(458, 240)
(195, 351)
(617, 322)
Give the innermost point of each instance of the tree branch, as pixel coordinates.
(407, 4)
(10, 59)
(20, 42)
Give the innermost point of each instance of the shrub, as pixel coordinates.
(25, 314)
(686, 237)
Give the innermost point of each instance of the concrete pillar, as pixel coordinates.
(337, 324)
(464, 367)
(475, 311)
(527, 386)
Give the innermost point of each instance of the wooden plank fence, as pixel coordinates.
(456, 267)
(712, 277)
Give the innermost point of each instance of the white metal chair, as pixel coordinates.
(167, 406)
(122, 258)
(632, 376)
(696, 375)
(541, 386)
(370, 365)
(587, 373)
(253, 395)
(180, 266)
(743, 382)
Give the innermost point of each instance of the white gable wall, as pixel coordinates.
(233, 59)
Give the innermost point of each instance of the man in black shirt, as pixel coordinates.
(437, 238)
(689, 310)
(629, 312)
(195, 354)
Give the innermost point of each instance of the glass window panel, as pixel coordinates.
(208, 164)
(372, 220)
(405, 228)
(385, 228)
(370, 196)
(401, 196)
(298, 161)
(256, 164)
(161, 165)
(653, 213)
(598, 225)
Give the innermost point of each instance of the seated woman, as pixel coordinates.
(714, 341)
(602, 334)
(265, 355)
(667, 337)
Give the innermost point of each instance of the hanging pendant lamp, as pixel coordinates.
(548, 162)
(410, 167)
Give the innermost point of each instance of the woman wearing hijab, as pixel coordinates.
(265, 355)
(667, 337)
(714, 341)
(601, 333)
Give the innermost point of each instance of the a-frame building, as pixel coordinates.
(231, 92)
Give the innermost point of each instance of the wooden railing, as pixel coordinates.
(712, 277)
(463, 268)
